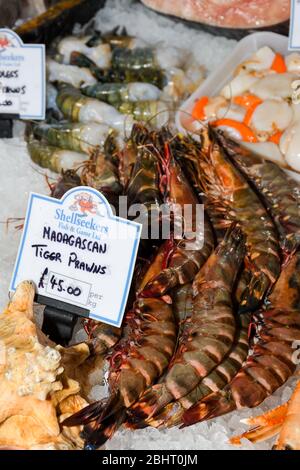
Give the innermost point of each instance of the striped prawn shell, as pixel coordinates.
(191, 249)
(272, 359)
(208, 334)
(112, 93)
(144, 184)
(113, 38)
(147, 350)
(278, 190)
(138, 360)
(183, 263)
(55, 159)
(218, 378)
(156, 112)
(134, 59)
(135, 65)
(102, 336)
(187, 156)
(66, 136)
(70, 102)
(182, 303)
(228, 191)
(226, 370)
(143, 187)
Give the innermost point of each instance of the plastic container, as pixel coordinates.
(218, 79)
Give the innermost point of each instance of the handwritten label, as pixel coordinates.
(22, 77)
(294, 37)
(76, 251)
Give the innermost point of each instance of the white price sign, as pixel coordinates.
(76, 251)
(294, 37)
(22, 77)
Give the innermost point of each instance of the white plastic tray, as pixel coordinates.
(218, 79)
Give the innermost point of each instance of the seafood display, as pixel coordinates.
(211, 321)
(258, 107)
(207, 330)
(143, 349)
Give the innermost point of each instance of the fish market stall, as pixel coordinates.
(159, 103)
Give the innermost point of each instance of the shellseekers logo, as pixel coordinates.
(85, 204)
(5, 42)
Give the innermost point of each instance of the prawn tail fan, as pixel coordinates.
(100, 420)
(86, 415)
(213, 406)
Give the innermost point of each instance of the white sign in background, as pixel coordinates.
(22, 77)
(294, 37)
(76, 251)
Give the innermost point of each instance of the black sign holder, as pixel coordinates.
(6, 125)
(60, 319)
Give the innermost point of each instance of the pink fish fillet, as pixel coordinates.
(226, 13)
